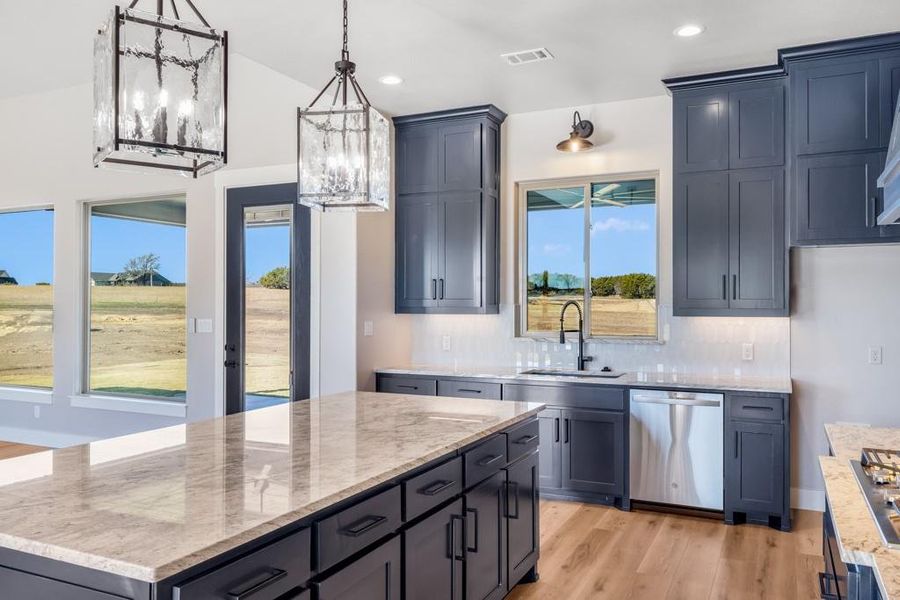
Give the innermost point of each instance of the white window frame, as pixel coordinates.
(30, 393)
(86, 397)
(522, 189)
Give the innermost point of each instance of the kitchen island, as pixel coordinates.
(856, 555)
(355, 495)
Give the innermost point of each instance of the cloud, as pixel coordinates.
(615, 224)
(556, 249)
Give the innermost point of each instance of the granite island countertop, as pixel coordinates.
(150, 505)
(731, 383)
(857, 534)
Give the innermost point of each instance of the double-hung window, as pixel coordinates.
(594, 241)
(26, 298)
(136, 321)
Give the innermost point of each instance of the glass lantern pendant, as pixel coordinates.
(343, 150)
(160, 92)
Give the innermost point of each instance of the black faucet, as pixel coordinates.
(563, 331)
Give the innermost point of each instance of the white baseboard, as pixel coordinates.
(808, 499)
(37, 437)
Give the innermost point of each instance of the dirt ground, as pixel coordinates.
(138, 339)
(610, 316)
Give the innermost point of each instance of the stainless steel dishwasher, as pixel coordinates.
(676, 448)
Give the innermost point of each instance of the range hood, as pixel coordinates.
(890, 178)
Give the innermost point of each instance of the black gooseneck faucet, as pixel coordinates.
(582, 359)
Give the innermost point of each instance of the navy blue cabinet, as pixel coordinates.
(447, 218)
(701, 131)
(593, 456)
(522, 518)
(375, 576)
(757, 460)
(550, 421)
(434, 556)
(485, 506)
(756, 126)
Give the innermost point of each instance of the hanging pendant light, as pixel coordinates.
(160, 92)
(578, 140)
(343, 150)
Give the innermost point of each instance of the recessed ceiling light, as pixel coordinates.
(390, 79)
(689, 30)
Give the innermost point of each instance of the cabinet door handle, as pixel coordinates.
(271, 576)
(737, 444)
(512, 486)
(566, 441)
(871, 201)
(407, 387)
(434, 289)
(442, 288)
(734, 287)
(725, 286)
(489, 460)
(557, 429)
(435, 488)
(755, 407)
(525, 439)
(364, 525)
(474, 512)
(469, 390)
(462, 522)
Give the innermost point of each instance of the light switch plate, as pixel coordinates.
(445, 343)
(204, 325)
(875, 355)
(747, 351)
(368, 328)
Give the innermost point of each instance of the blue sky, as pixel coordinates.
(115, 241)
(623, 240)
(26, 246)
(266, 248)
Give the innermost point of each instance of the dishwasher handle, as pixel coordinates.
(642, 399)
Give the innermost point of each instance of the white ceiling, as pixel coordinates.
(448, 51)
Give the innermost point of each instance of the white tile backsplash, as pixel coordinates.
(707, 345)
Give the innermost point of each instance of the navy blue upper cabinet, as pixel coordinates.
(756, 126)
(701, 131)
(448, 212)
(889, 76)
(835, 105)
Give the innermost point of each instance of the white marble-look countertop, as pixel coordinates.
(857, 533)
(152, 504)
(628, 379)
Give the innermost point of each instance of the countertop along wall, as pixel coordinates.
(46, 161)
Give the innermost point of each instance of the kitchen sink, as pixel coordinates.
(575, 374)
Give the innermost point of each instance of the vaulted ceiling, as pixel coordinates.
(448, 52)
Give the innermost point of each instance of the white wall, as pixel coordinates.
(631, 136)
(844, 301)
(46, 160)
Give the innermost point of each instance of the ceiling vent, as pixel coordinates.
(527, 56)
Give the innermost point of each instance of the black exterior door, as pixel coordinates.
(522, 518)
(550, 455)
(433, 555)
(701, 242)
(757, 239)
(754, 467)
(594, 451)
(375, 576)
(459, 250)
(486, 539)
(417, 251)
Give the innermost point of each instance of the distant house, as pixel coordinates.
(102, 279)
(7, 279)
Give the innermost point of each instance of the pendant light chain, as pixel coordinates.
(345, 53)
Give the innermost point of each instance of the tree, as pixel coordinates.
(278, 278)
(545, 281)
(147, 264)
(568, 280)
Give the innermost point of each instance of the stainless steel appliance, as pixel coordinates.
(878, 474)
(676, 448)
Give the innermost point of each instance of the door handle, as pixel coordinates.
(474, 512)
(737, 444)
(442, 288)
(557, 429)
(734, 287)
(273, 576)
(566, 440)
(364, 525)
(725, 286)
(231, 364)
(435, 488)
(434, 289)
(489, 460)
(527, 439)
(512, 486)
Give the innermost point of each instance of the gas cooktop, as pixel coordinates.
(878, 474)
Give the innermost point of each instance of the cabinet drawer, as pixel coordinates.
(18, 584)
(468, 389)
(522, 439)
(354, 528)
(485, 459)
(407, 385)
(580, 396)
(265, 574)
(431, 488)
(757, 408)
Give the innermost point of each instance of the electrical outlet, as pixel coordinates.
(445, 343)
(747, 351)
(875, 355)
(368, 328)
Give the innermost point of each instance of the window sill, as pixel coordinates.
(22, 394)
(554, 339)
(132, 405)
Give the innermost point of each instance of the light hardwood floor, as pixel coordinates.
(598, 552)
(11, 450)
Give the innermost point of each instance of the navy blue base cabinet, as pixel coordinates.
(448, 211)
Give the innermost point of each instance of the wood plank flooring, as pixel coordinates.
(11, 450)
(592, 551)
